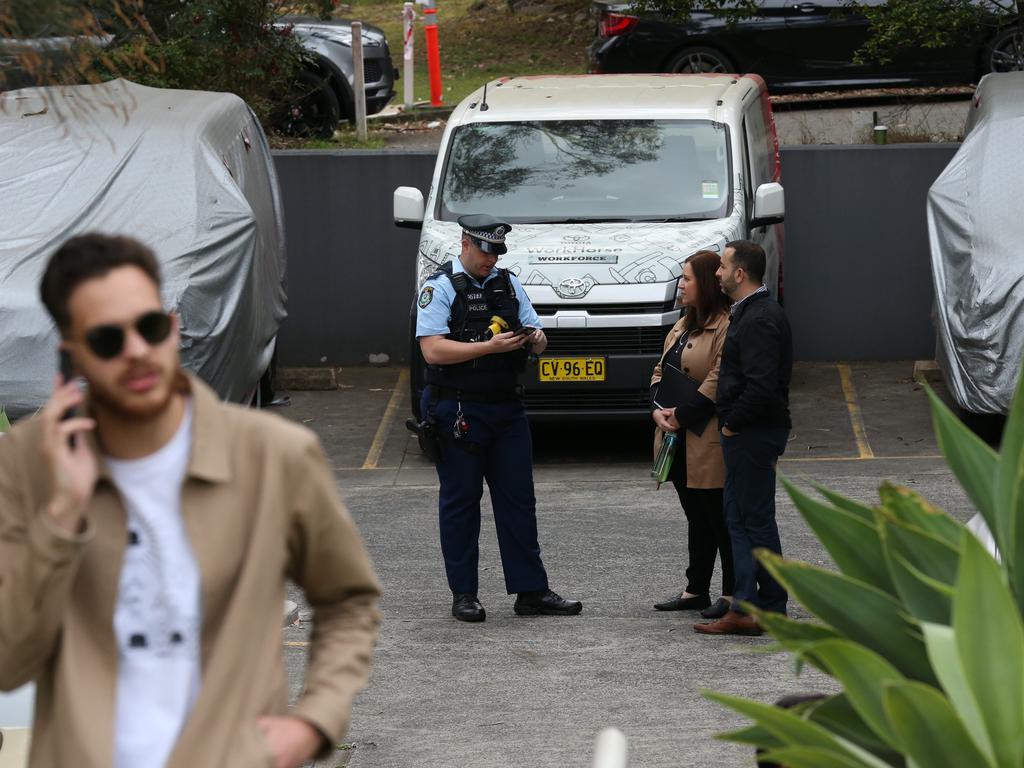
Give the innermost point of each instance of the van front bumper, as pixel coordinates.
(624, 394)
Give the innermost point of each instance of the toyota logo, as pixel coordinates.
(573, 288)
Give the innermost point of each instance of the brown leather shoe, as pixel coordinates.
(731, 624)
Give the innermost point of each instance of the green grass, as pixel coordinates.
(345, 138)
(478, 46)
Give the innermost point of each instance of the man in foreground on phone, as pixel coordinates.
(474, 397)
(142, 565)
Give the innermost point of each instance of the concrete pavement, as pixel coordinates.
(536, 691)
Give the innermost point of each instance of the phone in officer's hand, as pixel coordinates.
(526, 330)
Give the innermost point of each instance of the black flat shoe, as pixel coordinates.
(465, 607)
(718, 610)
(545, 603)
(681, 603)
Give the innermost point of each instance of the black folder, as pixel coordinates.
(680, 391)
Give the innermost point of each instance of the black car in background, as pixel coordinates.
(323, 93)
(794, 45)
(325, 86)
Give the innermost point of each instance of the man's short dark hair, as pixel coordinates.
(86, 257)
(750, 258)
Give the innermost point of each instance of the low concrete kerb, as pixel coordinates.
(307, 379)
(927, 370)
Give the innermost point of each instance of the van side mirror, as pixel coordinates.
(408, 208)
(769, 205)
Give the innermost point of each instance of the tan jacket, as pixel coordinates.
(260, 504)
(705, 467)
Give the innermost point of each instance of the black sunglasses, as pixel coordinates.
(107, 341)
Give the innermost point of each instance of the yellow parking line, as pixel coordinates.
(794, 459)
(377, 446)
(296, 643)
(860, 433)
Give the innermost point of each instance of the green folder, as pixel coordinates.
(663, 461)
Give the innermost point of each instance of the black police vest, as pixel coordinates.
(470, 315)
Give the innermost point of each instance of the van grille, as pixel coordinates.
(541, 400)
(643, 308)
(643, 340)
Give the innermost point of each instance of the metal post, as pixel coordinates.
(358, 81)
(408, 19)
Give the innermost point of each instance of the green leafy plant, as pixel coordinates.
(239, 46)
(5, 423)
(920, 625)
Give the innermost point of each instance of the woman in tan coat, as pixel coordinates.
(693, 348)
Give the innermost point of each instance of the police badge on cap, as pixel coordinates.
(486, 232)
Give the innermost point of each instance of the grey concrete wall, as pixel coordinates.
(858, 280)
(350, 269)
(857, 277)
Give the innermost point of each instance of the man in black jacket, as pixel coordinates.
(753, 414)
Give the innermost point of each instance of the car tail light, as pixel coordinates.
(613, 24)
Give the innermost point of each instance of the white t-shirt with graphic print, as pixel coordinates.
(158, 613)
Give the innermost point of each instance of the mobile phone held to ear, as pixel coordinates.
(526, 330)
(67, 372)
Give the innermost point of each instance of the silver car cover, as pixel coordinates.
(189, 173)
(976, 236)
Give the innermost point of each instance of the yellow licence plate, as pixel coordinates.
(571, 369)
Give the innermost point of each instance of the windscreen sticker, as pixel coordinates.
(709, 190)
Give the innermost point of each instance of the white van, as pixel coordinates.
(609, 183)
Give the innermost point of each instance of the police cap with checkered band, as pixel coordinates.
(486, 232)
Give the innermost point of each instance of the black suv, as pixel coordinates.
(793, 45)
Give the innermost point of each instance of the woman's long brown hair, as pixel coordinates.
(710, 299)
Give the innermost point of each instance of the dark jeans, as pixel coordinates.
(708, 535)
(750, 458)
(502, 452)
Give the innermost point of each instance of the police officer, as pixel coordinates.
(476, 326)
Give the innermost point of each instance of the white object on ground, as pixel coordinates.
(610, 750)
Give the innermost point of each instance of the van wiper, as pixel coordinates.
(586, 220)
(672, 219)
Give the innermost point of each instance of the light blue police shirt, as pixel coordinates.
(434, 302)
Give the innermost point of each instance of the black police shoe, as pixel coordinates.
(545, 603)
(465, 607)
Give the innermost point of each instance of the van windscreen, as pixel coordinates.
(588, 170)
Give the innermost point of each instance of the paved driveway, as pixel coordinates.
(535, 691)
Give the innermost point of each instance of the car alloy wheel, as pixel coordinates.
(310, 109)
(1007, 51)
(699, 60)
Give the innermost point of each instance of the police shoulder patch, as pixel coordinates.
(426, 296)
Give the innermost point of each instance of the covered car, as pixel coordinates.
(975, 231)
(188, 173)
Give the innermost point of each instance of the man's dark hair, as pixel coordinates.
(749, 257)
(86, 257)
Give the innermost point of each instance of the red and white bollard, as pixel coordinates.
(433, 56)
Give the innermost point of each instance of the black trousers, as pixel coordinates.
(708, 535)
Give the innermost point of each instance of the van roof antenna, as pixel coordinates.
(483, 101)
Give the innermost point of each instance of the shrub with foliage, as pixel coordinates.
(921, 626)
(237, 46)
